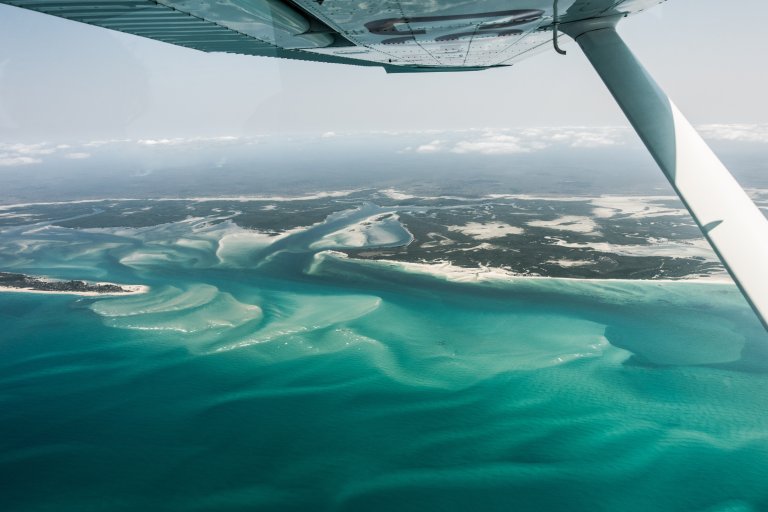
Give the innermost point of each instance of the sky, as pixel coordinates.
(64, 81)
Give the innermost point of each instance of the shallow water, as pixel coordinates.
(259, 375)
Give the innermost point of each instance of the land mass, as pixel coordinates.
(25, 282)
(563, 236)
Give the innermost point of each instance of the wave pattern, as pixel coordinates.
(197, 309)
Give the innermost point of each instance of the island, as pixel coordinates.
(20, 282)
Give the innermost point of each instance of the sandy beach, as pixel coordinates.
(131, 289)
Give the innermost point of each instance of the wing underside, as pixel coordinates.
(399, 35)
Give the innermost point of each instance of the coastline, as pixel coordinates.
(197, 199)
(131, 289)
(454, 273)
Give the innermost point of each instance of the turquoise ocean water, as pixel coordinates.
(262, 374)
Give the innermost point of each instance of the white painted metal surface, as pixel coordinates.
(734, 226)
(402, 35)
(450, 33)
(270, 21)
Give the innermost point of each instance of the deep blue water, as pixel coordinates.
(259, 375)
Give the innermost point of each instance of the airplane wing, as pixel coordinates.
(399, 35)
(461, 35)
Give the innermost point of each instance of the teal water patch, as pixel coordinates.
(660, 323)
(256, 375)
(199, 308)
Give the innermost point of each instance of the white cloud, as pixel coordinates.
(40, 148)
(77, 156)
(432, 147)
(16, 154)
(593, 140)
(178, 141)
(577, 136)
(13, 154)
(14, 160)
(99, 143)
(510, 141)
(160, 142)
(492, 144)
(735, 132)
(328, 135)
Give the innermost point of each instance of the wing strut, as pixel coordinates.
(733, 225)
(556, 29)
